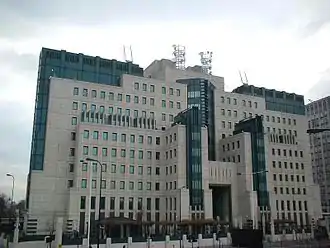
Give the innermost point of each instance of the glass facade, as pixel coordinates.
(191, 118)
(276, 100)
(254, 126)
(200, 94)
(64, 64)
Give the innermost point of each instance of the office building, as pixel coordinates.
(174, 146)
(319, 118)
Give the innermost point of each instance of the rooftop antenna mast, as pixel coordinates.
(179, 54)
(206, 61)
(131, 54)
(242, 81)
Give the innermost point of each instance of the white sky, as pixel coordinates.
(283, 44)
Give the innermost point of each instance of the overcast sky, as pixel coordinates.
(282, 44)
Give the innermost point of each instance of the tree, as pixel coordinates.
(7, 207)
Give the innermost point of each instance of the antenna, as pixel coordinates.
(179, 54)
(206, 61)
(242, 81)
(131, 53)
(130, 47)
(240, 75)
(246, 80)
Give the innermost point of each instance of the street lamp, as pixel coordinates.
(181, 188)
(100, 192)
(13, 187)
(252, 196)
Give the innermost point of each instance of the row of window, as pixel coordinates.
(232, 146)
(279, 153)
(141, 139)
(131, 203)
(137, 100)
(287, 191)
(286, 178)
(281, 120)
(293, 204)
(111, 95)
(282, 139)
(234, 102)
(123, 185)
(279, 131)
(234, 159)
(287, 165)
(123, 169)
(140, 154)
(144, 87)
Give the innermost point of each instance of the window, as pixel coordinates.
(152, 88)
(136, 86)
(95, 151)
(85, 92)
(85, 150)
(96, 135)
(152, 101)
(113, 168)
(131, 185)
(93, 184)
(75, 91)
(105, 135)
(163, 103)
(178, 105)
(128, 98)
(140, 154)
(140, 186)
(144, 87)
(178, 93)
(83, 183)
(114, 136)
(131, 153)
(104, 152)
(122, 184)
(110, 110)
(132, 138)
(136, 99)
(74, 105)
(163, 90)
(72, 152)
(144, 100)
(141, 139)
(113, 152)
(73, 136)
(94, 93)
(111, 96)
(131, 169)
(113, 185)
(84, 167)
(119, 97)
(123, 153)
(140, 170)
(82, 202)
(102, 95)
(74, 121)
(148, 185)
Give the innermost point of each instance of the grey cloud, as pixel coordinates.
(17, 116)
(321, 88)
(25, 17)
(14, 146)
(19, 62)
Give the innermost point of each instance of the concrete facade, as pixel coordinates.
(145, 164)
(318, 113)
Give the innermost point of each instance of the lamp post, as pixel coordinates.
(13, 186)
(252, 196)
(183, 187)
(89, 203)
(100, 192)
